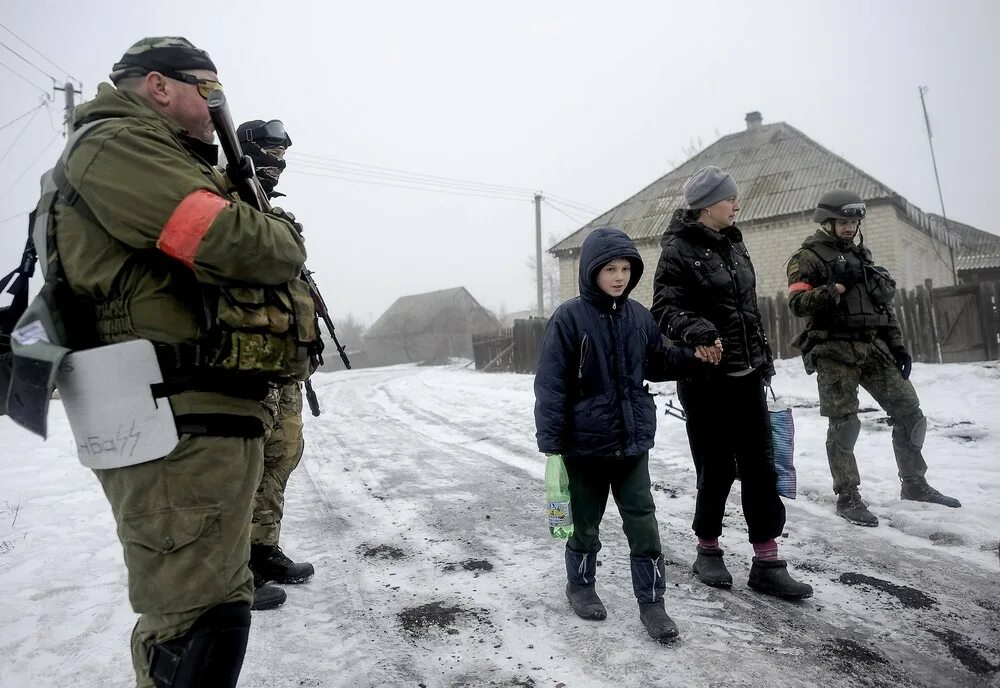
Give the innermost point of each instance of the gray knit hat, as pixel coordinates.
(707, 186)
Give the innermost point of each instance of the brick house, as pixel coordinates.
(781, 174)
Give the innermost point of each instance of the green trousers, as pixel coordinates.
(184, 525)
(627, 479)
(283, 446)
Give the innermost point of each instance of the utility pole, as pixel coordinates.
(538, 253)
(944, 215)
(69, 92)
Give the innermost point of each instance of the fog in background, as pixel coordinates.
(585, 101)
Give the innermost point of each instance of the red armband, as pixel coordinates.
(188, 225)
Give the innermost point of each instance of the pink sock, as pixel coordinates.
(708, 544)
(767, 551)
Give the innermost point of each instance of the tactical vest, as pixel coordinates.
(251, 334)
(857, 312)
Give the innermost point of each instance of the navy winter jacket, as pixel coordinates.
(590, 398)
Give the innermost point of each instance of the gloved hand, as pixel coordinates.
(288, 217)
(904, 361)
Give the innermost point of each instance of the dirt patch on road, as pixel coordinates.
(381, 552)
(970, 658)
(909, 597)
(850, 654)
(475, 565)
(418, 620)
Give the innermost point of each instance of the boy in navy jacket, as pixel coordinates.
(593, 407)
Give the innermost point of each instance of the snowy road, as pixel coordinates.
(419, 502)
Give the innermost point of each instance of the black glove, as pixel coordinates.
(845, 273)
(904, 361)
(288, 217)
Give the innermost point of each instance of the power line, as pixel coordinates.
(40, 54)
(432, 177)
(403, 186)
(19, 135)
(24, 78)
(568, 202)
(20, 117)
(421, 183)
(562, 212)
(26, 60)
(28, 168)
(14, 216)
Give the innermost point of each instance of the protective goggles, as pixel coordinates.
(205, 86)
(268, 135)
(853, 211)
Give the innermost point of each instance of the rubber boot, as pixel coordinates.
(581, 572)
(711, 569)
(770, 577)
(648, 586)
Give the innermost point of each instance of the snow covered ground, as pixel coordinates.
(420, 503)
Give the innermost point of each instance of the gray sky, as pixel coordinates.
(589, 101)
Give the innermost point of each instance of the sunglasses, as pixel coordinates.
(850, 210)
(268, 135)
(205, 86)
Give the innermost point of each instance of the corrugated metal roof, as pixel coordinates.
(780, 171)
(976, 250)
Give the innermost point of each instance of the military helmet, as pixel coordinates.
(839, 205)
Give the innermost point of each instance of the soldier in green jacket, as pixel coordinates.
(853, 337)
(152, 247)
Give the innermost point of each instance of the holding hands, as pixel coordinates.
(709, 353)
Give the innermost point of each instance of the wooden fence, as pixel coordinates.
(512, 350)
(940, 325)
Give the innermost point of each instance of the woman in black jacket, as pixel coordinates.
(704, 294)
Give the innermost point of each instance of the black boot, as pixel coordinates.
(918, 490)
(770, 577)
(851, 507)
(266, 596)
(269, 562)
(648, 586)
(581, 572)
(209, 655)
(710, 568)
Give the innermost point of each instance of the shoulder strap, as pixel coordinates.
(67, 192)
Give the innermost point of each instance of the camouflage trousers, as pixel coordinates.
(283, 446)
(840, 367)
(184, 525)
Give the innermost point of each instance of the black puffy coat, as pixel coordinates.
(705, 288)
(590, 398)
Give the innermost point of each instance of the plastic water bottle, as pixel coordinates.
(557, 498)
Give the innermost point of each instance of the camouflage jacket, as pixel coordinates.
(831, 315)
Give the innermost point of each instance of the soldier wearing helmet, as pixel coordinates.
(852, 338)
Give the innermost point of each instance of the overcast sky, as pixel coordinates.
(587, 101)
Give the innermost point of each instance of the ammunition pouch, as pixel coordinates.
(881, 285)
(269, 331)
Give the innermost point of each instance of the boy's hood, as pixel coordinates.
(599, 248)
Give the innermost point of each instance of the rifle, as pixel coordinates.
(241, 172)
